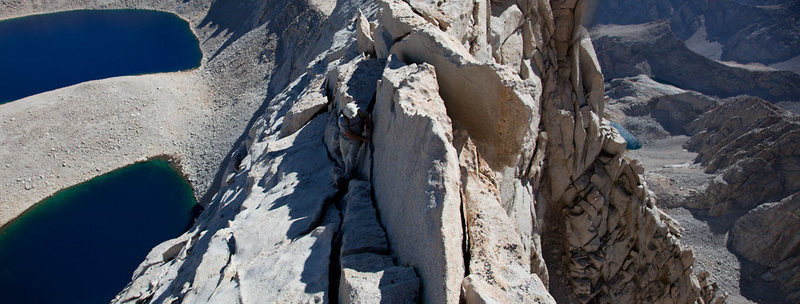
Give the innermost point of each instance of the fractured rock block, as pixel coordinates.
(364, 35)
(361, 231)
(378, 281)
(309, 103)
(413, 147)
(500, 271)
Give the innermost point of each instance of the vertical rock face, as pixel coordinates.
(486, 134)
(415, 175)
(499, 269)
(619, 247)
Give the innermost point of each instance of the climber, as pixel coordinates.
(354, 126)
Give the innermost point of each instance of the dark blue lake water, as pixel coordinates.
(44, 52)
(83, 244)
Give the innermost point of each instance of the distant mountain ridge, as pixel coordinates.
(763, 31)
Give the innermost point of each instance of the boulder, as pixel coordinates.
(364, 35)
(767, 235)
(499, 110)
(756, 237)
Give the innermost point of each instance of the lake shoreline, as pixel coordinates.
(61, 138)
(171, 160)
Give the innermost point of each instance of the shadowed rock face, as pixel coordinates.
(767, 235)
(752, 146)
(748, 31)
(652, 49)
(652, 110)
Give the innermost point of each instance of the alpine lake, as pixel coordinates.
(82, 244)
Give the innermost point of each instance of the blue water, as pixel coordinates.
(44, 52)
(631, 140)
(83, 244)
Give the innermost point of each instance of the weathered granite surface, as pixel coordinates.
(487, 137)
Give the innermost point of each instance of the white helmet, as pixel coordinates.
(350, 110)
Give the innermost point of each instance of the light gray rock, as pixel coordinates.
(361, 231)
(354, 81)
(368, 275)
(505, 37)
(310, 102)
(538, 154)
(364, 35)
(497, 108)
(383, 284)
(271, 245)
(416, 178)
(499, 269)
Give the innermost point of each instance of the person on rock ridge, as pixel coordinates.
(355, 129)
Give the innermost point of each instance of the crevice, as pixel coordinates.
(334, 266)
(556, 255)
(465, 232)
(374, 202)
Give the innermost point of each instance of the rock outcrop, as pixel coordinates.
(368, 274)
(653, 110)
(752, 146)
(266, 237)
(756, 237)
(499, 269)
(768, 236)
(415, 176)
(652, 49)
(487, 138)
(746, 31)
